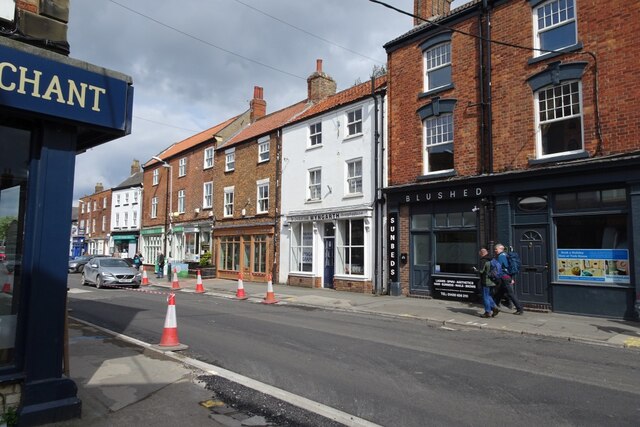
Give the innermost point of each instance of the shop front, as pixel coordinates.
(124, 245)
(573, 227)
(330, 250)
(53, 107)
(151, 244)
(247, 250)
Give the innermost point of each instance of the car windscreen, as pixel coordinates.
(113, 262)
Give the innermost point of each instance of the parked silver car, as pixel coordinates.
(110, 272)
(77, 264)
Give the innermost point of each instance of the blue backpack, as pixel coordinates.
(514, 262)
(495, 271)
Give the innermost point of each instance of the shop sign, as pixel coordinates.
(457, 288)
(328, 216)
(439, 195)
(392, 246)
(191, 229)
(593, 265)
(39, 84)
(156, 230)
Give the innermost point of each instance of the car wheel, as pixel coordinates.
(99, 284)
(83, 280)
(80, 269)
(136, 286)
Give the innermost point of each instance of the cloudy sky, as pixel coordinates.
(194, 63)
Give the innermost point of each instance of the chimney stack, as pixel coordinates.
(319, 84)
(257, 105)
(99, 187)
(429, 9)
(135, 167)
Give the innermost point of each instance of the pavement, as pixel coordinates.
(122, 381)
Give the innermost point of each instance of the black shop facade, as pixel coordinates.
(572, 224)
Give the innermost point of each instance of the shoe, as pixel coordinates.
(486, 315)
(495, 312)
(519, 312)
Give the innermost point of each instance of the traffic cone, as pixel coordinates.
(270, 298)
(145, 279)
(175, 285)
(199, 287)
(240, 293)
(6, 287)
(169, 340)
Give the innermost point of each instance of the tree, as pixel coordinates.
(5, 221)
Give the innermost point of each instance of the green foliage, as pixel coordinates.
(205, 259)
(5, 221)
(10, 417)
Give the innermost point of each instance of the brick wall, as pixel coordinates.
(96, 214)
(44, 21)
(11, 394)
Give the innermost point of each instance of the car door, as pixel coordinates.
(90, 271)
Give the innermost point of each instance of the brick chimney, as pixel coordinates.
(99, 187)
(257, 105)
(319, 84)
(135, 167)
(428, 9)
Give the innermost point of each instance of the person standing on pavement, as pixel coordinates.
(490, 308)
(507, 283)
(160, 259)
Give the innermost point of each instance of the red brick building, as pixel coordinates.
(94, 221)
(513, 122)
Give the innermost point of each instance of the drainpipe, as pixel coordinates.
(378, 120)
(276, 215)
(488, 113)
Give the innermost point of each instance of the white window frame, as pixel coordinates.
(314, 184)
(95, 205)
(135, 196)
(182, 167)
(315, 134)
(262, 196)
(89, 206)
(549, 15)
(104, 203)
(126, 219)
(353, 180)
(134, 222)
(208, 157)
(181, 201)
(154, 207)
(126, 198)
(117, 225)
(354, 123)
(438, 137)
(82, 207)
(436, 58)
(540, 123)
(207, 195)
(104, 223)
(228, 201)
(230, 160)
(156, 176)
(117, 199)
(263, 149)
(93, 225)
(299, 249)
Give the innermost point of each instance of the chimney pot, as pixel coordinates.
(99, 187)
(258, 105)
(318, 65)
(319, 84)
(135, 166)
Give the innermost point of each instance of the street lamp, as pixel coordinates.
(168, 206)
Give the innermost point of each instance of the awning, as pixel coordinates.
(124, 237)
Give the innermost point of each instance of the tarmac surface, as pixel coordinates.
(122, 381)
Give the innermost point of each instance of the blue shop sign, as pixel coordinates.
(37, 83)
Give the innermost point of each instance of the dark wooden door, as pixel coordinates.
(532, 284)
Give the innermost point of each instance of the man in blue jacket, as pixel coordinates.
(505, 287)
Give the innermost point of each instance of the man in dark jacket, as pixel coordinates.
(160, 272)
(505, 287)
(490, 308)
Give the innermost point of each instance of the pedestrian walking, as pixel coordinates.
(506, 286)
(160, 261)
(490, 307)
(137, 260)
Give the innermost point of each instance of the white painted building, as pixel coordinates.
(328, 232)
(126, 214)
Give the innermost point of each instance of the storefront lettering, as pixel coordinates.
(30, 82)
(443, 195)
(392, 248)
(328, 216)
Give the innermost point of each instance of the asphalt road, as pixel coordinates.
(393, 372)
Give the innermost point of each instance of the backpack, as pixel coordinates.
(514, 262)
(495, 271)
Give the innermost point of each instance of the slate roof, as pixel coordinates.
(133, 181)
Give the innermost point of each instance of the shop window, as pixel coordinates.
(421, 222)
(455, 242)
(260, 254)
(350, 245)
(191, 249)
(592, 248)
(302, 246)
(590, 199)
(230, 253)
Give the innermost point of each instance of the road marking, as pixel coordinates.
(78, 291)
(299, 401)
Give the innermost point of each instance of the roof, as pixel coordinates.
(267, 124)
(432, 23)
(132, 181)
(191, 142)
(345, 97)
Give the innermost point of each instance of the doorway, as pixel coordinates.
(329, 254)
(532, 284)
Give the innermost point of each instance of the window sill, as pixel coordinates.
(263, 161)
(435, 91)
(314, 147)
(204, 168)
(435, 175)
(353, 277)
(230, 170)
(312, 201)
(354, 136)
(262, 213)
(559, 158)
(352, 196)
(545, 56)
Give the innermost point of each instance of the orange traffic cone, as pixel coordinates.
(240, 293)
(145, 279)
(199, 287)
(175, 285)
(270, 298)
(169, 340)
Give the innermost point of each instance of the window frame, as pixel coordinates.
(182, 167)
(230, 160)
(316, 172)
(297, 247)
(181, 201)
(262, 143)
(354, 121)
(345, 247)
(537, 6)
(154, 207)
(260, 201)
(229, 196)
(356, 178)
(431, 69)
(315, 134)
(207, 197)
(156, 177)
(208, 157)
